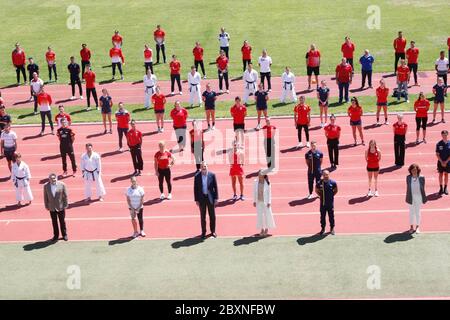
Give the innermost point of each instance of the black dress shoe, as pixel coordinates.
(54, 239)
(203, 236)
(65, 238)
(322, 231)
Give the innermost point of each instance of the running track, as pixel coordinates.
(179, 218)
(133, 93)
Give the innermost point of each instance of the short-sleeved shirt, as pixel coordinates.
(163, 159)
(5, 118)
(210, 97)
(442, 64)
(265, 63)
(74, 70)
(332, 131)
(400, 129)
(347, 50)
(8, 139)
(443, 149)
(400, 45)
(366, 62)
(134, 137)
(313, 58)
(159, 101)
(65, 136)
(302, 112)
(223, 39)
(440, 92)
(344, 72)
(246, 52)
(327, 192)
(198, 53)
(179, 117)
(261, 102)
(422, 107)
(175, 67)
(106, 104)
(355, 113)
(323, 93)
(314, 160)
(402, 73)
(382, 94)
(123, 119)
(89, 76)
(238, 114)
(222, 63)
(135, 195)
(413, 55)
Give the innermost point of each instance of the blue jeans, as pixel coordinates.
(343, 86)
(403, 85)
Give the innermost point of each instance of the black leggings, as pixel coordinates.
(223, 76)
(444, 77)
(245, 62)
(413, 69)
(399, 150)
(148, 65)
(333, 151)
(50, 68)
(83, 66)
(202, 66)
(67, 151)
(136, 157)
(119, 66)
(398, 56)
(173, 78)
(160, 47)
(20, 69)
(121, 132)
(266, 75)
(164, 174)
(421, 123)
(77, 82)
(299, 132)
(94, 95)
(47, 114)
(269, 147)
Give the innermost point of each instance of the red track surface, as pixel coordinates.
(133, 93)
(179, 218)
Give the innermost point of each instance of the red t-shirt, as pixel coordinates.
(198, 53)
(238, 114)
(116, 38)
(347, 50)
(302, 112)
(85, 54)
(382, 94)
(421, 107)
(355, 113)
(175, 67)
(246, 52)
(402, 73)
(179, 117)
(163, 159)
(400, 45)
(222, 63)
(159, 101)
(412, 55)
(18, 58)
(50, 56)
(332, 131)
(123, 119)
(89, 76)
(344, 73)
(269, 131)
(313, 58)
(372, 160)
(400, 129)
(134, 137)
(59, 118)
(159, 33)
(448, 43)
(43, 98)
(148, 54)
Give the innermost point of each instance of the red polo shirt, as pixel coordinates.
(421, 107)
(175, 67)
(134, 137)
(412, 55)
(344, 72)
(302, 112)
(246, 52)
(400, 45)
(198, 53)
(222, 63)
(179, 117)
(400, 129)
(402, 73)
(238, 114)
(85, 54)
(347, 50)
(159, 33)
(18, 58)
(50, 56)
(123, 119)
(60, 116)
(313, 58)
(159, 101)
(148, 54)
(382, 94)
(332, 131)
(355, 113)
(89, 76)
(162, 159)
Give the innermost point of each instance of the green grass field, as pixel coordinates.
(229, 268)
(285, 28)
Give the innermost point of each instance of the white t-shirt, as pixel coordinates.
(223, 39)
(8, 139)
(37, 85)
(265, 63)
(135, 196)
(442, 65)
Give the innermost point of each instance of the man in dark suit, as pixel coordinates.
(55, 200)
(206, 195)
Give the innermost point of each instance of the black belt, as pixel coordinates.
(92, 173)
(250, 82)
(193, 85)
(149, 87)
(20, 178)
(287, 83)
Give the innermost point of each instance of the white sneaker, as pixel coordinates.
(322, 125)
(169, 196)
(135, 235)
(300, 144)
(369, 194)
(120, 149)
(121, 77)
(31, 99)
(100, 199)
(220, 91)
(417, 230)
(181, 93)
(386, 122)
(204, 77)
(258, 127)
(214, 127)
(143, 233)
(378, 123)
(310, 196)
(72, 98)
(162, 197)
(81, 97)
(228, 91)
(172, 93)
(376, 194)
(407, 101)
(162, 129)
(308, 145)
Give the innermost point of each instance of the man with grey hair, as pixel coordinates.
(55, 200)
(366, 62)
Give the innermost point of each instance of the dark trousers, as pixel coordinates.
(121, 132)
(67, 151)
(83, 66)
(202, 66)
(350, 62)
(47, 114)
(162, 48)
(50, 69)
(316, 174)
(323, 213)
(368, 75)
(173, 78)
(206, 204)
(61, 216)
(333, 150)
(197, 150)
(245, 62)
(222, 77)
(398, 56)
(94, 95)
(225, 49)
(413, 69)
(266, 75)
(20, 69)
(140, 216)
(148, 65)
(35, 102)
(136, 157)
(444, 77)
(399, 150)
(117, 65)
(76, 81)
(299, 132)
(164, 174)
(269, 148)
(343, 91)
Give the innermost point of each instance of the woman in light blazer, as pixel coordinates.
(262, 200)
(415, 195)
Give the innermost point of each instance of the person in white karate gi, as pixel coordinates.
(288, 83)
(149, 87)
(250, 79)
(262, 200)
(195, 93)
(21, 176)
(91, 166)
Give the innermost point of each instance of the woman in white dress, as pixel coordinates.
(262, 200)
(21, 176)
(415, 196)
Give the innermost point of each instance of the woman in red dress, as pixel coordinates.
(373, 157)
(237, 170)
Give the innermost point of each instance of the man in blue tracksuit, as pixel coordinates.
(366, 62)
(326, 189)
(313, 160)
